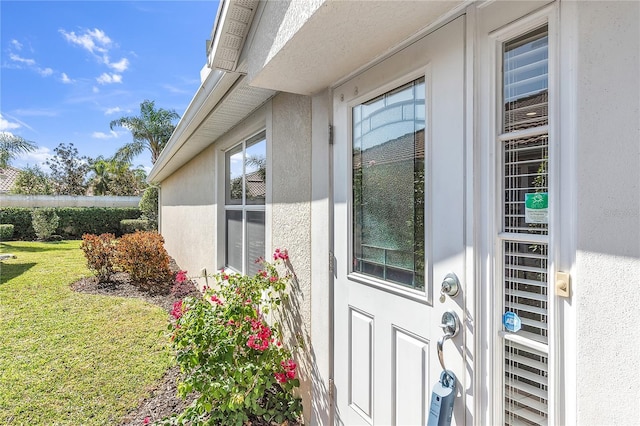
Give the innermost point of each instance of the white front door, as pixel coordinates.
(400, 181)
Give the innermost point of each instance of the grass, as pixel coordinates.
(67, 357)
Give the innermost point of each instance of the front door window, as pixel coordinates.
(388, 186)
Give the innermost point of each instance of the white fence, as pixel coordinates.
(66, 201)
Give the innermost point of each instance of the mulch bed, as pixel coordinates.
(163, 401)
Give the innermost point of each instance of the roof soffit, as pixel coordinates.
(336, 39)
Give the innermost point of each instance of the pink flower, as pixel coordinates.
(280, 254)
(262, 336)
(178, 310)
(181, 276)
(146, 420)
(289, 373)
(273, 279)
(259, 260)
(215, 300)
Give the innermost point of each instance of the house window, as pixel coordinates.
(524, 143)
(388, 186)
(245, 189)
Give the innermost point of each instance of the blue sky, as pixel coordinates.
(68, 68)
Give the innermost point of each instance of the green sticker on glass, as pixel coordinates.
(536, 207)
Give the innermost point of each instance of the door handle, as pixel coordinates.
(451, 327)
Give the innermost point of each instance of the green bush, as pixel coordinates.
(6, 232)
(149, 206)
(74, 221)
(45, 222)
(129, 226)
(20, 218)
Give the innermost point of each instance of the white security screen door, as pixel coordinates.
(399, 188)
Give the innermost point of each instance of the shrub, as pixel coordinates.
(231, 357)
(74, 221)
(128, 226)
(20, 218)
(100, 251)
(6, 232)
(149, 206)
(144, 257)
(44, 222)
(77, 221)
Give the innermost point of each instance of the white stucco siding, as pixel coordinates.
(188, 214)
(607, 281)
(290, 219)
(305, 46)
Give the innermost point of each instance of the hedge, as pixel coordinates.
(6, 232)
(129, 226)
(74, 221)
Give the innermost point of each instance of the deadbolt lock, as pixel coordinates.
(450, 286)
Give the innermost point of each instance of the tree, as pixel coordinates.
(149, 205)
(32, 181)
(150, 130)
(12, 145)
(114, 177)
(68, 171)
(102, 177)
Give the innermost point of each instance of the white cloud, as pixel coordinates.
(17, 58)
(98, 44)
(119, 66)
(101, 135)
(7, 125)
(16, 44)
(65, 78)
(45, 72)
(91, 40)
(106, 78)
(95, 89)
(38, 156)
(110, 111)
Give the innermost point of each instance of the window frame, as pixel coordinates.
(243, 206)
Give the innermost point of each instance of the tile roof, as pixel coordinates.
(8, 177)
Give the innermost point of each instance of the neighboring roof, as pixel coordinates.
(8, 178)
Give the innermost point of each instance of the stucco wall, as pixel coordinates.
(607, 282)
(188, 214)
(290, 219)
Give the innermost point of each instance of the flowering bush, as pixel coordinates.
(231, 356)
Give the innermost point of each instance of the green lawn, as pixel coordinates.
(66, 357)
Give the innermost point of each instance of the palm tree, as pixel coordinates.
(12, 145)
(102, 176)
(150, 130)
